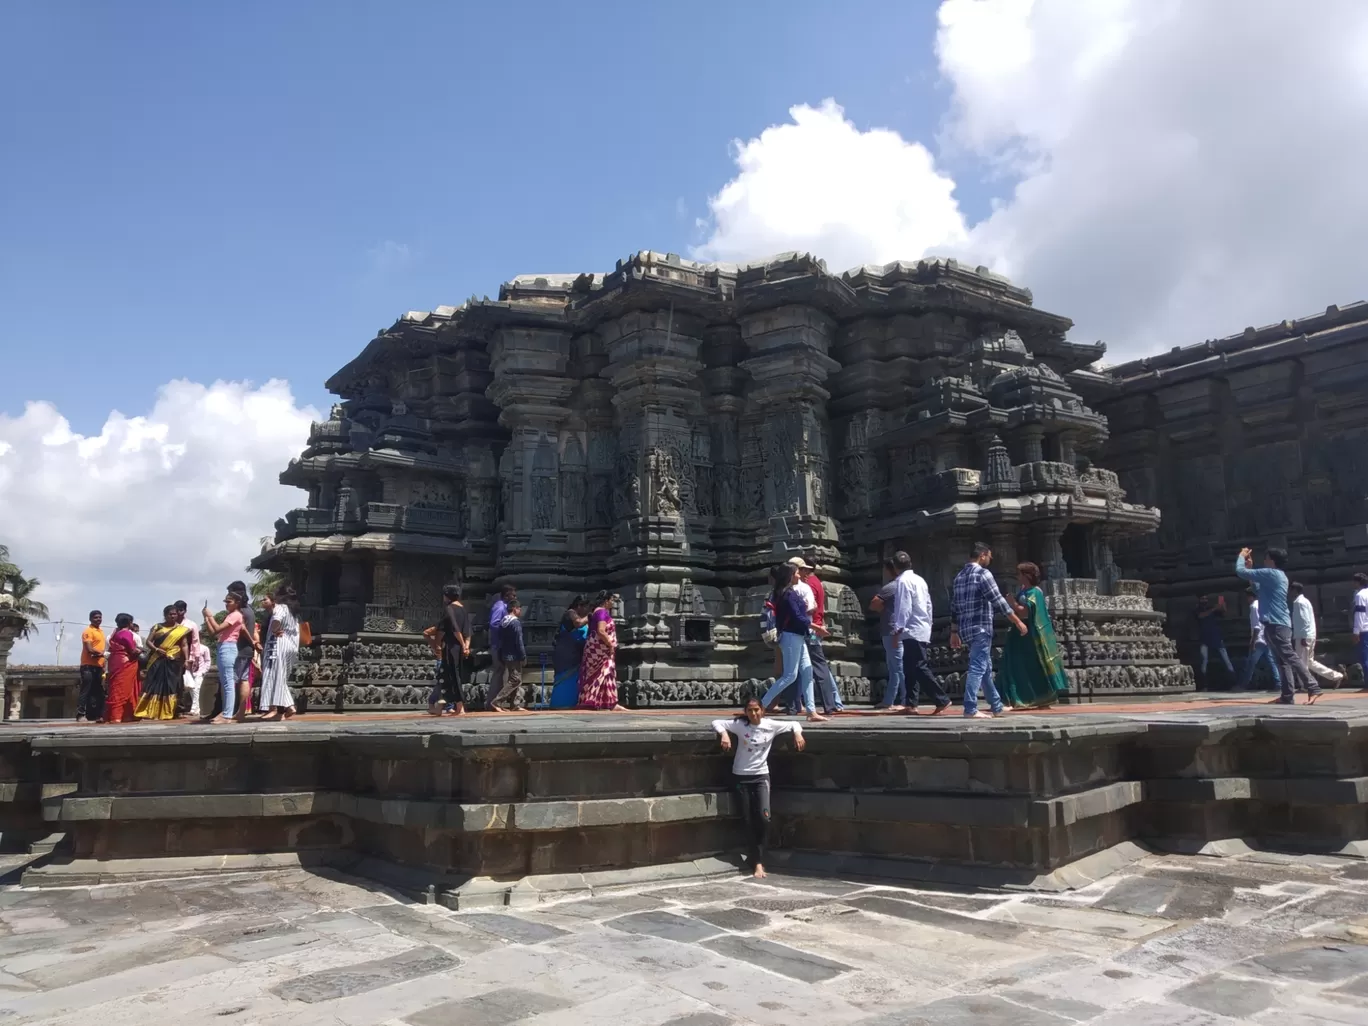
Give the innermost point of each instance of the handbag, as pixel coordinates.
(305, 633)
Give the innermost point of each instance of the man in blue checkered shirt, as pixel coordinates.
(974, 599)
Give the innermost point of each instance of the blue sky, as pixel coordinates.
(251, 190)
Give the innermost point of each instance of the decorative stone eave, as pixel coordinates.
(372, 459)
(1024, 510)
(368, 544)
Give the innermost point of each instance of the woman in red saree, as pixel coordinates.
(598, 673)
(122, 697)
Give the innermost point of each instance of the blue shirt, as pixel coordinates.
(791, 614)
(496, 616)
(1270, 585)
(973, 601)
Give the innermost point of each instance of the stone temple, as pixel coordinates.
(672, 429)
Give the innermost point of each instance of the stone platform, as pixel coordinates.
(494, 809)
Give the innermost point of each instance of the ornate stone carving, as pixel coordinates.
(662, 430)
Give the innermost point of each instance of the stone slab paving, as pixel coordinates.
(1266, 939)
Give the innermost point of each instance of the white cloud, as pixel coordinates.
(389, 257)
(819, 184)
(1180, 169)
(154, 508)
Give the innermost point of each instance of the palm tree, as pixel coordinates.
(20, 590)
(7, 569)
(265, 582)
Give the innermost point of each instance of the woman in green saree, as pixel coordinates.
(1032, 675)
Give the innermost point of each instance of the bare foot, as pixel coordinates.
(272, 717)
(497, 708)
(621, 708)
(897, 708)
(1311, 698)
(522, 709)
(288, 714)
(943, 710)
(759, 873)
(816, 718)
(219, 719)
(911, 710)
(459, 710)
(435, 709)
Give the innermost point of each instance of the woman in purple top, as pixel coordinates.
(793, 623)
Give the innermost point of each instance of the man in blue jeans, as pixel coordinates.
(1258, 650)
(974, 599)
(1270, 582)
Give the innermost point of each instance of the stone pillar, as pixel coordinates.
(11, 626)
(1067, 448)
(786, 414)
(654, 365)
(351, 597)
(1050, 552)
(1003, 538)
(532, 388)
(1032, 443)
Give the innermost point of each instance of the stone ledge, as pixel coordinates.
(404, 812)
(968, 809)
(1080, 873)
(1288, 791)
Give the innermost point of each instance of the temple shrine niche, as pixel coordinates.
(672, 429)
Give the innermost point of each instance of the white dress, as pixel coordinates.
(275, 678)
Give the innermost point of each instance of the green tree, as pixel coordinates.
(20, 590)
(264, 582)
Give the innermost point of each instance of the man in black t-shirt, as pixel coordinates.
(450, 641)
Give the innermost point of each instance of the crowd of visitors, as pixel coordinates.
(124, 678)
(583, 656)
(1282, 631)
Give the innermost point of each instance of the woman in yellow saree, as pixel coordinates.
(1031, 674)
(168, 649)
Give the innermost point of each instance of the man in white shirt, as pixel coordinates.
(1258, 650)
(1360, 622)
(911, 624)
(1304, 636)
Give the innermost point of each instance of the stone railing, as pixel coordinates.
(41, 692)
(388, 516)
(422, 520)
(384, 516)
(308, 522)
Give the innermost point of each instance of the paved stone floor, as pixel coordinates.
(1173, 941)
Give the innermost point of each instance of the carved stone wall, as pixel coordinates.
(1257, 439)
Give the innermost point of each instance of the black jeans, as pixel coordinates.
(754, 793)
(90, 696)
(1290, 669)
(450, 677)
(917, 671)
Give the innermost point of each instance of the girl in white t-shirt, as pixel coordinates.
(750, 767)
